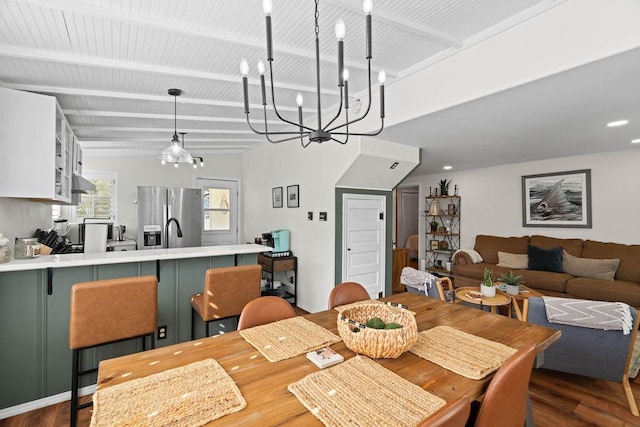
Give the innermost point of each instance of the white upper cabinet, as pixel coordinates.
(37, 147)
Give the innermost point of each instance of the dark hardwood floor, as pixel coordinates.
(558, 400)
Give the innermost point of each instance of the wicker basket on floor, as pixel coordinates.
(377, 343)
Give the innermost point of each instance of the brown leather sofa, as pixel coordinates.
(625, 286)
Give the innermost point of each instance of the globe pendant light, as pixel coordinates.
(174, 153)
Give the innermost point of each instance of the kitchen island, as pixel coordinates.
(35, 361)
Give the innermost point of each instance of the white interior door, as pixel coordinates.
(363, 251)
(220, 211)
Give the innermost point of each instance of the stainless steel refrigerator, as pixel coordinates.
(169, 217)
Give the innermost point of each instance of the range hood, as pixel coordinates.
(81, 185)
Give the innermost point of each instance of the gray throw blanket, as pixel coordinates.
(589, 314)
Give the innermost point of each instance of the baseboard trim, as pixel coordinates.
(12, 411)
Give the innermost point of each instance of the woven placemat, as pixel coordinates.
(288, 338)
(360, 392)
(190, 395)
(465, 354)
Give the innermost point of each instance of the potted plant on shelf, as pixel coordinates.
(433, 225)
(486, 288)
(444, 187)
(512, 282)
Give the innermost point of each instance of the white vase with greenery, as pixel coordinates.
(487, 289)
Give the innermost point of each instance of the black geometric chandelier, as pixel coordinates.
(339, 132)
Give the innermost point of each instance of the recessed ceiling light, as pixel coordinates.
(635, 141)
(617, 123)
(447, 167)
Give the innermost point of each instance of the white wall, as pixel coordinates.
(316, 170)
(20, 218)
(492, 198)
(147, 171)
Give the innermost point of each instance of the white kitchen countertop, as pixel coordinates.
(77, 260)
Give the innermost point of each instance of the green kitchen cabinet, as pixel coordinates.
(35, 361)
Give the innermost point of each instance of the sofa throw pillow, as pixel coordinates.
(603, 269)
(545, 259)
(513, 261)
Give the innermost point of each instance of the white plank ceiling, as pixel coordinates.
(110, 62)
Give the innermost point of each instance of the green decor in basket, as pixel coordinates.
(377, 343)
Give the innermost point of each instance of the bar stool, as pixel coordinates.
(226, 291)
(108, 311)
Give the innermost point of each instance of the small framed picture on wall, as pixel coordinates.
(293, 196)
(276, 196)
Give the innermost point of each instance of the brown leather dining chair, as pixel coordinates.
(265, 310)
(505, 401)
(346, 293)
(226, 291)
(108, 311)
(455, 414)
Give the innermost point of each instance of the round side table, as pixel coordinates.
(471, 294)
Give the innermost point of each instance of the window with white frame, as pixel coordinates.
(100, 203)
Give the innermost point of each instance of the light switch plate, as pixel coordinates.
(310, 216)
(323, 216)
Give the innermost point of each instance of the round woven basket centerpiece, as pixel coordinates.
(377, 343)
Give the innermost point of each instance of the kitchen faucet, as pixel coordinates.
(166, 230)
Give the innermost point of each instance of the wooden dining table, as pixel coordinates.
(264, 384)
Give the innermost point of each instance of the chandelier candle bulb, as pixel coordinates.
(345, 75)
(382, 76)
(299, 102)
(267, 7)
(367, 5)
(244, 70)
(340, 31)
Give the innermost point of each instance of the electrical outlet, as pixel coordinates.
(162, 332)
(323, 216)
(291, 280)
(310, 216)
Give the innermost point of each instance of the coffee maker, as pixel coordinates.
(280, 240)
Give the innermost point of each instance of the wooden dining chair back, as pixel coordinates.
(265, 310)
(445, 294)
(346, 293)
(108, 311)
(226, 292)
(455, 414)
(505, 401)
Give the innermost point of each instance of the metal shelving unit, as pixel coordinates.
(444, 213)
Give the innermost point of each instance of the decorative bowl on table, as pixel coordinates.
(377, 343)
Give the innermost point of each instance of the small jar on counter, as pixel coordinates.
(5, 254)
(27, 247)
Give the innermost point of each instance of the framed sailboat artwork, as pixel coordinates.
(559, 199)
